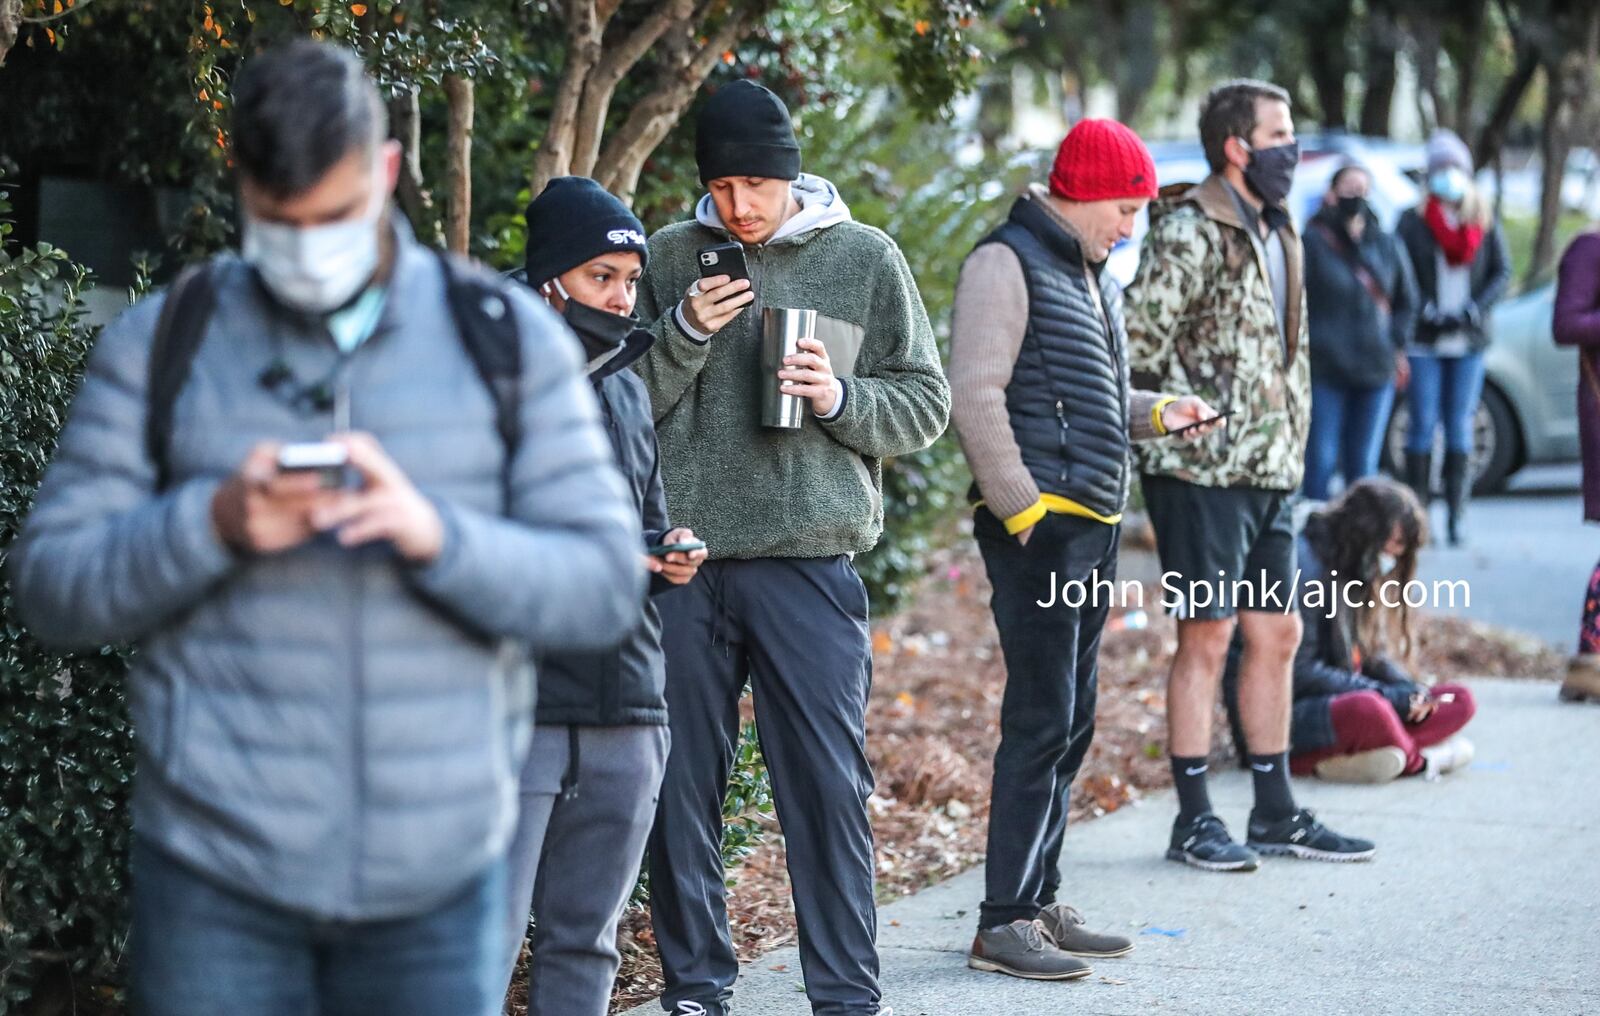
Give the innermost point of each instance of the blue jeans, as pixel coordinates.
(1443, 388)
(199, 949)
(1347, 428)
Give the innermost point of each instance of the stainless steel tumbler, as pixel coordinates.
(781, 331)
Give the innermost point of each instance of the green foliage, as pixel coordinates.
(65, 745)
(930, 188)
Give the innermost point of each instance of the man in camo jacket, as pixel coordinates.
(1217, 310)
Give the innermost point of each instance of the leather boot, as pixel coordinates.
(1419, 476)
(1457, 485)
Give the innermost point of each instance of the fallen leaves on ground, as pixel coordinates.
(933, 724)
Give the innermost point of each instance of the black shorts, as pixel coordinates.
(1223, 549)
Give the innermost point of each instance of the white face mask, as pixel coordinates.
(1386, 563)
(317, 268)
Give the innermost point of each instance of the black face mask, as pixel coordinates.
(601, 332)
(1271, 171)
(1352, 208)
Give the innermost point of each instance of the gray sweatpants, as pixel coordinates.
(796, 629)
(585, 850)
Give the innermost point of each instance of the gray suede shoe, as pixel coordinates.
(1021, 950)
(1064, 928)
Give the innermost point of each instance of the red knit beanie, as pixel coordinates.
(1101, 160)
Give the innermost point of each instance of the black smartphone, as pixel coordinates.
(663, 549)
(1199, 423)
(723, 259)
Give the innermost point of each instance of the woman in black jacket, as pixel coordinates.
(1359, 716)
(1361, 298)
(1459, 255)
(602, 716)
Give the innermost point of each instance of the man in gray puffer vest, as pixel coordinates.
(782, 511)
(1042, 405)
(330, 693)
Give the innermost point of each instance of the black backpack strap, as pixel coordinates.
(488, 327)
(179, 332)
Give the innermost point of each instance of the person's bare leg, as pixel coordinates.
(1191, 698)
(1265, 695)
(1199, 837)
(1192, 684)
(1266, 680)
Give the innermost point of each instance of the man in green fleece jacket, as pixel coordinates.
(783, 511)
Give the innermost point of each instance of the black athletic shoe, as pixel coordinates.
(1301, 835)
(1204, 842)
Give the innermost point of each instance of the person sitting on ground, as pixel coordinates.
(1359, 716)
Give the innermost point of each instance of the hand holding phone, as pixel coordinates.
(1199, 423)
(677, 557)
(721, 292)
(325, 459)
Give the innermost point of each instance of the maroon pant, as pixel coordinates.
(1364, 720)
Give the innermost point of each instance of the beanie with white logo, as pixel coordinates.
(574, 220)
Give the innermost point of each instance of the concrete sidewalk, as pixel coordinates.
(1484, 898)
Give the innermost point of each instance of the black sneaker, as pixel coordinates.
(1301, 835)
(1203, 842)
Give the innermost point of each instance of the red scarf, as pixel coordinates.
(1460, 243)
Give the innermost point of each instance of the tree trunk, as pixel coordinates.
(1432, 110)
(1569, 83)
(1141, 63)
(10, 24)
(1493, 136)
(1382, 49)
(584, 32)
(1466, 59)
(1328, 61)
(613, 65)
(679, 78)
(458, 141)
(415, 199)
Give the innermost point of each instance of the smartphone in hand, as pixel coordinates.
(723, 259)
(682, 547)
(1199, 423)
(325, 458)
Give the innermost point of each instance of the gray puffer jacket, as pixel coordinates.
(326, 729)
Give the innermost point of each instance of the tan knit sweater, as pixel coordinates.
(989, 322)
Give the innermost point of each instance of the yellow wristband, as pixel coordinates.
(1155, 413)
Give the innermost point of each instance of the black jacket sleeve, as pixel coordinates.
(1405, 304)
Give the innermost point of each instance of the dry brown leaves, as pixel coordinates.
(933, 724)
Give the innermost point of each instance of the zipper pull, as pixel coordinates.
(1061, 413)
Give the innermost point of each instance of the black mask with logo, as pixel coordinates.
(1270, 172)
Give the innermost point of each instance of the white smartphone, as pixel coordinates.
(324, 458)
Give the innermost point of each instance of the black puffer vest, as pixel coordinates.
(1068, 396)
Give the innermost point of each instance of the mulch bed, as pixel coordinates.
(933, 724)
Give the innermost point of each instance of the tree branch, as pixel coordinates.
(584, 32)
(613, 66)
(649, 122)
(415, 198)
(65, 12)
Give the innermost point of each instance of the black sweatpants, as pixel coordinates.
(797, 630)
(1047, 714)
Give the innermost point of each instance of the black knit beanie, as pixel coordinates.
(745, 130)
(573, 220)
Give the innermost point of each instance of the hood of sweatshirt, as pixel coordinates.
(821, 206)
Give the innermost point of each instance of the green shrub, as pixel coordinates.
(65, 743)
